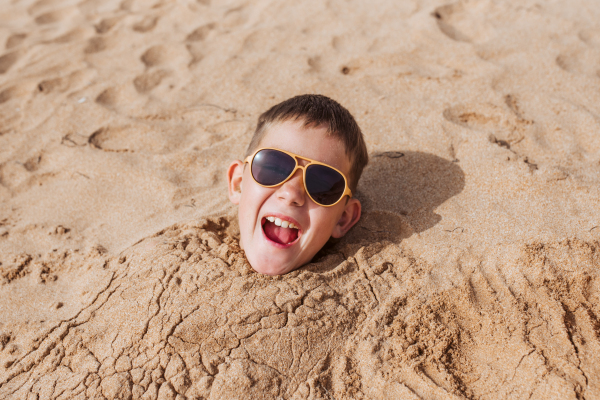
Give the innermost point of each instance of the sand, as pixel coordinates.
(474, 272)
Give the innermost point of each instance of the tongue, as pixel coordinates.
(278, 234)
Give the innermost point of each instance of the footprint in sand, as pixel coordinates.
(15, 39)
(162, 54)
(146, 24)
(120, 98)
(74, 80)
(149, 80)
(462, 21)
(314, 63)
(479, 116)
(6, 94)
(33, 163)
(235, 17)
(580, 62)
(74, 140)
(119, 139)
(194, 40)
(200, 33)
(353, 43)
(140, 138)
(504, 128)
(96, 45)
(8, 60)
(583, 61)
(41, 6)
(591, 37)
(107, 24)
(13, 174)
(155, 55)
(488, 117)
(78, 33)
(55, 16)
(444, 16)
(21, 91)
(13, 92)
(342, 43)
(12, 100)
(195, 49)
(108, 97)
(261, 39)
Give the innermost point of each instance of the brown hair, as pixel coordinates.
(317, 110)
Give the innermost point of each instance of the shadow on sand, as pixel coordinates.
(399, 192)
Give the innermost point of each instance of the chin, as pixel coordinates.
(270, 267)
(268, 271)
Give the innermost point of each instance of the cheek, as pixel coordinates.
(252, 199)
(323, 220)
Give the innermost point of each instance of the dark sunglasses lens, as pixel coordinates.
(271, 167)
(325, 185)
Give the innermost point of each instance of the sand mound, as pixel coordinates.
(183, 314)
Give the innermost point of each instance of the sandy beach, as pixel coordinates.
(473, 273)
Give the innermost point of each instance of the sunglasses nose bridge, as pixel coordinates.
(303, 168)
(292, 191)
(291, 176)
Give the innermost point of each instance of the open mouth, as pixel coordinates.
(280, 231)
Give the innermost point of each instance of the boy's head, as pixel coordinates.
(283, 222)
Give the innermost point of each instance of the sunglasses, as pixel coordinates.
(324, 184)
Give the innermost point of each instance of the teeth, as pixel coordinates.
(281, 223)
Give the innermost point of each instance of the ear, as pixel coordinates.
(234, 181)
(349, 218)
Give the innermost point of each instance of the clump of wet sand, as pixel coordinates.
(183, 314)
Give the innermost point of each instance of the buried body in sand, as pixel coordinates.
(184, 314)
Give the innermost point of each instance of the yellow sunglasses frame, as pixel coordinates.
(347, 190)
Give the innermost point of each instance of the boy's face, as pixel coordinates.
(266, 246)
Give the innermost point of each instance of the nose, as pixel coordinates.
(292, 192)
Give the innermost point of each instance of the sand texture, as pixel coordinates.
(474, 272)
